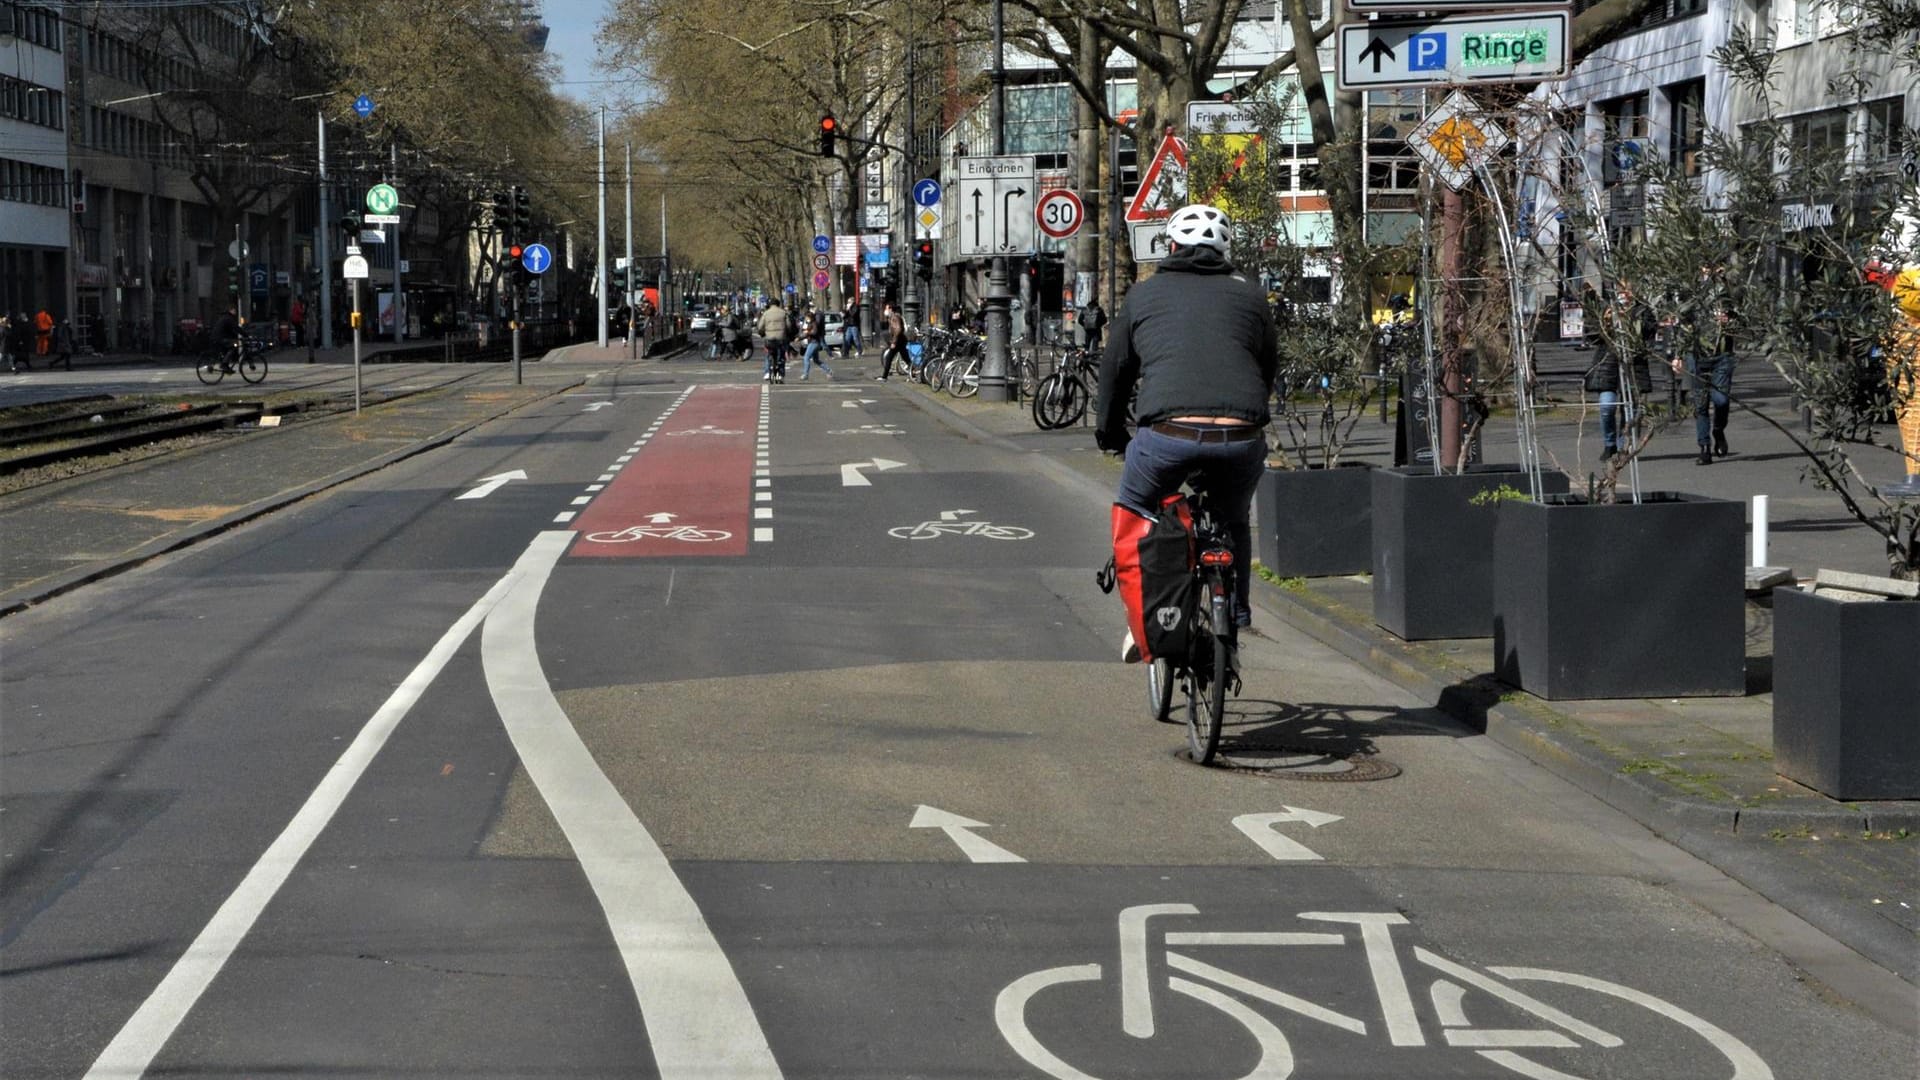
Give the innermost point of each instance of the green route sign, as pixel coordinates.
(382, 199)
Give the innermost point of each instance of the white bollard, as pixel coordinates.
(1759, 530)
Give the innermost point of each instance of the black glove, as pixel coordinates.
(1114, 442)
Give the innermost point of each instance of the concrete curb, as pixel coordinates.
(42, 591)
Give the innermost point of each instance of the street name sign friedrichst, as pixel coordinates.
(1526, 46)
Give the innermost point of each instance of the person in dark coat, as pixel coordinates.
(62, 345)
(1709, 362)
(19, 342)
(1623, 331)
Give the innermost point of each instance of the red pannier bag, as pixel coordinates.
(1152, 565)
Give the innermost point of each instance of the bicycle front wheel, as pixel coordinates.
(1046, 403)
(253, 368)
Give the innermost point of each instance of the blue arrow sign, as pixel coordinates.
(536, 258)
(821, 244)
(926, 193)
(363, 105)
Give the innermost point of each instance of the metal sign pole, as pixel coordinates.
(516, 336)
(356, 345)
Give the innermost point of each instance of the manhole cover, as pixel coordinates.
(1304, 763)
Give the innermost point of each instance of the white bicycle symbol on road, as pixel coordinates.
(928, 530)
(1448, 993)
(690, 533)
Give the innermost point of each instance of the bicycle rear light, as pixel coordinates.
(1216, 557)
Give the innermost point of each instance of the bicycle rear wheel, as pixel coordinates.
(209, 369)
(1207, 683)
(964, 380)
(1047, 403)
(253, 367)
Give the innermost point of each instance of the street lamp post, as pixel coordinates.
(999, 299)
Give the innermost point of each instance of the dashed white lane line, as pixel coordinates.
(698, 1019)
(563, 517)
(581, 500)
(763, 467)
(762, 535)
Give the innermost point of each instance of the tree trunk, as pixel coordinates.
(1085, 250)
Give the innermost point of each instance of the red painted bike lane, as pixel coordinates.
(688, 489)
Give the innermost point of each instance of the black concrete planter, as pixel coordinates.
(1628, 600)
(1846, 691)
(1315, 522)
(1433, 549)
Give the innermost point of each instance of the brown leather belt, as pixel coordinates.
(1209, 432)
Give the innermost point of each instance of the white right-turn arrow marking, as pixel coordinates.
(1259, 829)
(851, 476)
(975, 848)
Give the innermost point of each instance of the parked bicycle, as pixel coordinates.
(246, 356)
(1061, 399)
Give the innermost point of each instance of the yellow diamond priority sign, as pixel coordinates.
(1457, 138)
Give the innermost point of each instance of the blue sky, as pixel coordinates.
(574, 23)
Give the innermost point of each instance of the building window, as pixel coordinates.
(1820, 138)
(37, 185)
(33, 25)
(1294, 168)
(1688, 101)
(1626, 138)
(32, 103)
(1884, 137)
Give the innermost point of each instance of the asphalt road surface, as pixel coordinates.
(780, 731)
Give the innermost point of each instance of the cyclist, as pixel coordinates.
(226, 338)
(1199, 340)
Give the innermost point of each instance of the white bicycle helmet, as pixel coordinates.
(1200, 225)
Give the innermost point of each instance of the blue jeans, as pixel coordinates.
(1712, 383)
(812, 357)
(1158, 464)
(1614, 416)
(850, 343)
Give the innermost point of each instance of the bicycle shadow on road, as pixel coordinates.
(1333, 729)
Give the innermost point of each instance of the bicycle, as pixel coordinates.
(1211, 668)
(1061, 399)
(1572, 1041)
(248, 358)
(688, 533)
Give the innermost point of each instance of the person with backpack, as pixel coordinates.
(773, 328)
(814, 333)
(1198, 339)
(896, 331)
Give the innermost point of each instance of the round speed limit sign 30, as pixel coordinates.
(1058, 213)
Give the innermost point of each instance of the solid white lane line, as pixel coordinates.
(697, 1015)
(155, 1021)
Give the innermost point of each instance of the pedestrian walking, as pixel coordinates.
(297, 318)
(850, 330)
(19, 340)
(42, 333)
(1093, 322)
(1709, 363)
(814, 334)
(1623, 338)
(62, 346)
(773, 328)
(895, 329)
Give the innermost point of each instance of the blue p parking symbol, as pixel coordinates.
(1427, 52)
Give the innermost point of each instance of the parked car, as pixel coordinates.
(836, 330)
(701, 322)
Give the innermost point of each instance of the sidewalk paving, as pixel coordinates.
(1696, 770)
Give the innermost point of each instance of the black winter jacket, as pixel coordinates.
(1624, 332)
(1199, 339)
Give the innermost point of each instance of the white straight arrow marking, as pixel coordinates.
(850, 475)
(856, 403)
(1259, 829)
(975, 848)
(661, 519)
(598, 405)
(954, 515)
(491, 484)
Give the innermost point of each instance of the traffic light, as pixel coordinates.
(513, 274)
(350, 225)
(923, 257)
(829, 127)
(522, 212)
(502, 211)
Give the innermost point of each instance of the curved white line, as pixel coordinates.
(1010, 1014)
(1746, 1064)
(699, 1021)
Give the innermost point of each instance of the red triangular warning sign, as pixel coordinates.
(1169, 164)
